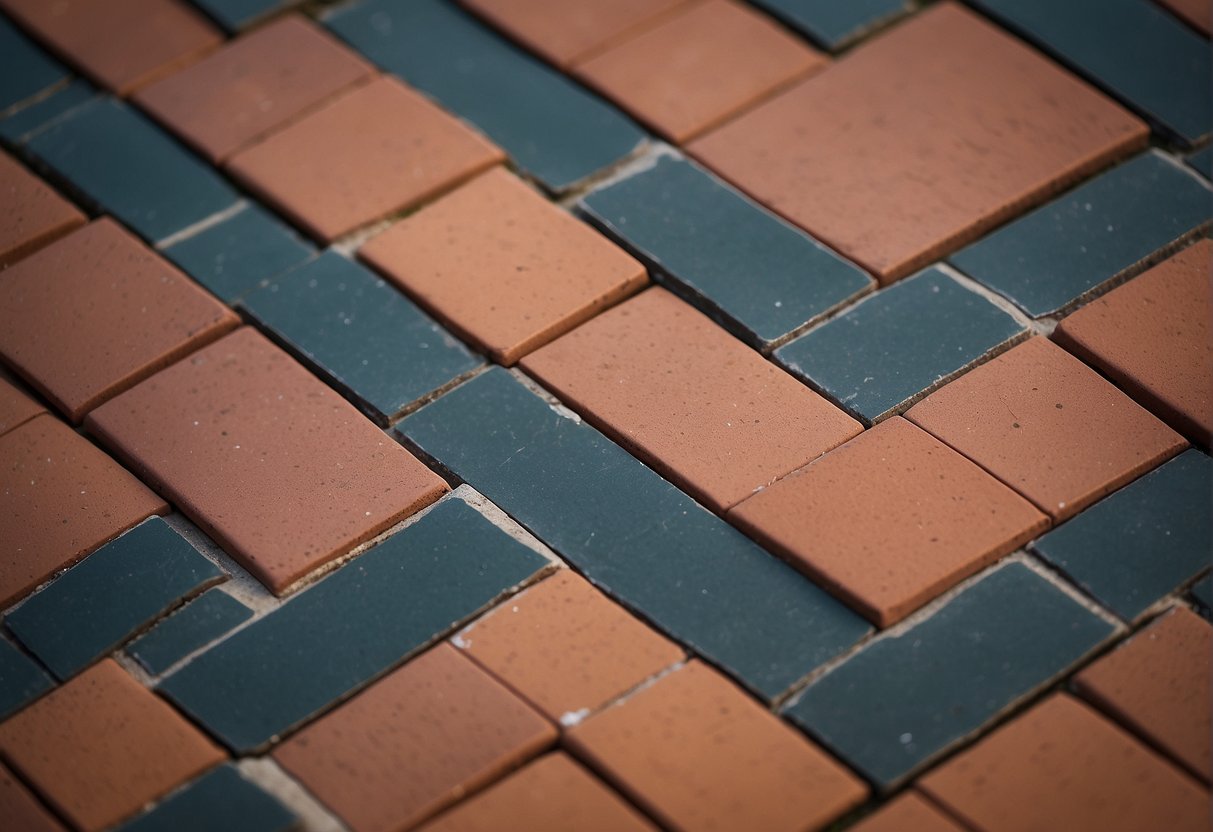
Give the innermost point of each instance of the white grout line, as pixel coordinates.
(202, 225)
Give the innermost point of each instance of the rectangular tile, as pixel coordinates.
(219, 799)
(834, 24)
(25, 70)
(16, 408)
(16, 129)
(204, 619)
(633, 534)
(21, 679)
(33, 213)
(234, 15)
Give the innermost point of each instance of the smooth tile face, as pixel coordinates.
(17, 128)
(102, 746)
(697, 753)
(1158, 685)
(21, 809)
(909, 812)
(206, 618)
(253, 86)
(100, 602)
(96, 313)
(369, 339)
(733, 259)
(32, 214)
(834, 24)
(889, 520)
(62, 499)
(1142, 542)
(220, 799)
(665, 382)
(899, 344)
(1138, 52)
(502, 267)
(944, 72)
(551, 794)
(233, 256)
(633, 534)
(566, 648)
(1062, 766)
(698, 67)
(122, 44)
(25, 70)
(130, 168)
(21, 680)
(351, 626)
(376, 150)
(237, 14)
(1152, 336)
(1095, 234)
(1048, 426)
(903, 700)
(16, 408)
(552, 128)
(414, 743)
(273, 465)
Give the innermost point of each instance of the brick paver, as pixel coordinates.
(32, 214)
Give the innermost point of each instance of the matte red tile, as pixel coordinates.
(889, 520)
(32, 214)
(414, 743)
(698, 754)
(552, 794)
(121, 44)
(16, 408)
(1159, 685)
(21, 809)
(699, 66)
(253, 86)
(909, 812)
(376, 150)
(566, 647)
(1048, 426)
(97, 312)
(102, 746)
(63, 498)
(503, 267)
(1063, 766)
(920, 140)
(1152, 337)
(702, 408)
(276, 467)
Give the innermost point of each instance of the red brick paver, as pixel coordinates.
(16, 408)
(21, 809)
(31, 213)
(908, 813)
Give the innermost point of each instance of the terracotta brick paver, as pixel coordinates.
(16, 408)
(908, 813)
(20, 808)
(31, 213)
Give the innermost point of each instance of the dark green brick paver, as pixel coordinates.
(25, 70)
(234, 15)
(734, 259)
(1144, 541)
(198, 623)
(1202, 160)
(219, 800)
(832, 23)
(903, 700)
(21, 679)
(106, 598)
(353, 625)
(17, 128)
(634, 534)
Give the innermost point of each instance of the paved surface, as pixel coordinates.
(684, 414)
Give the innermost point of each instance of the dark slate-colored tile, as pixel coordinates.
(1135, 49)
(360, 331)
(220, 799)
(1144, 541)
(890, 349)
(833, 24)
(350, 627)
(905, 699)
(21, 679)
(554, 129)
(17, 128)
(1202, 160)
(1202, 595)
(25, 70)
(232, 257)
(735, 260)
(100, 602)
(234, 15)
(633, 534)
(1092, 236)
(129, 167)
(198, 623)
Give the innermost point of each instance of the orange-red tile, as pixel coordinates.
(16, 408)
(909, 812)
(32, 214)
(21, 809)
(921, 139)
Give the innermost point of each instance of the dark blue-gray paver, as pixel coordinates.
(1202, 160)
(17, 128)
(633, 534)
(899, 344)
(235, 15)
(219, 800)
(198, 623)
(832, 23)
(21, 679)
(361, 332)
(734, 259)
(1092, 236)
(129, 167)
(1135, 49)
(554, 129)
(235, 255)
(905, 699)
(1202, 595)
(25, 70)
(1142, 542)
(102, 601)
(351, 626)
